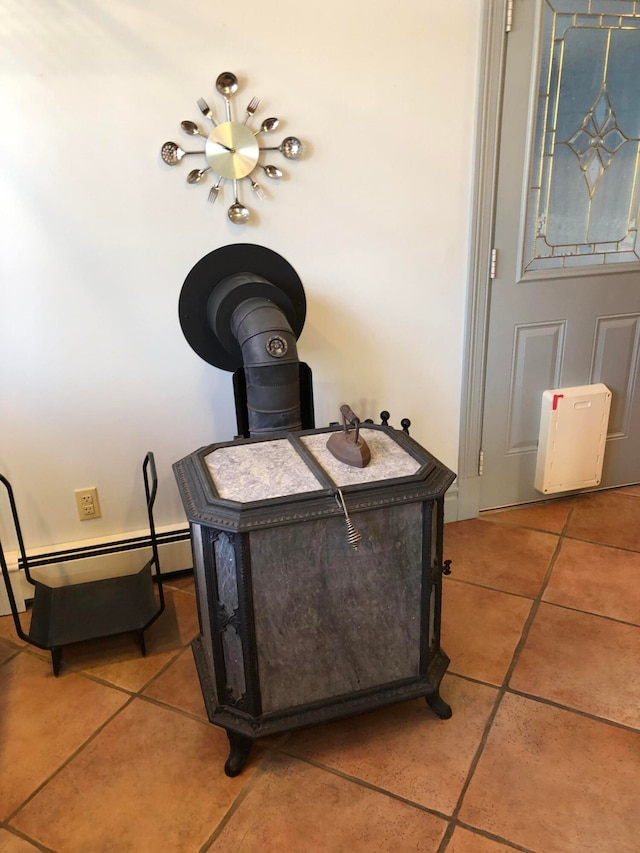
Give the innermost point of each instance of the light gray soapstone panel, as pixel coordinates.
(330, 620)
(388, 459)
(259, 471)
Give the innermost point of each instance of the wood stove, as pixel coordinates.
(298, 627)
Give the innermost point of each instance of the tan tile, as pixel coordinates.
(598, 579)
(465, 841)
(183, 582)
(583, 661)
(118, 659)
(153, 779)
(629, 490)
(43, 720)
(498, 556)
(550, 516)
(406, 749)
(481, 629)
(179, 686)
(10, 843)
(8, 628)
(7, 650)
(610, 518)
(296, 807)
(543, 782)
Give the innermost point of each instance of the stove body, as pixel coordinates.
(296, 626)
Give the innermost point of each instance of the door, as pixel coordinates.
(565, 301)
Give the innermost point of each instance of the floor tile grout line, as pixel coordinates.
(238, 800)
(164, 668)
(78, 670)
(543, 700)
(590, 613)
(70, 758)
(139, 694)
(71, 670)
(502, 690)
(38, 845)
(492, 836)
(514, 525)
(472, 768)
(479, 585)
(11, 657)
(151, 700)
(132, 696)
(104, 683)
(601, 544)
(362, 783)
(537, 601)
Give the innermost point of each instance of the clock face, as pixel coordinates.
(232, 150)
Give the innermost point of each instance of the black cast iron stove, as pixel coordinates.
(297, 626)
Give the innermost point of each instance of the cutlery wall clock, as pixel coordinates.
(232, 151)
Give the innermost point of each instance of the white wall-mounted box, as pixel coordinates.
(573, 434)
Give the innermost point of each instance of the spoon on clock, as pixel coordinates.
(237, 213)
(192, 129)
(196, 175)
(270, 171)
(227, 85)
(171, 153)
(268, 125)
(291, 147)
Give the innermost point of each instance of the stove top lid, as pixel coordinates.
(270, 469)
(251, 482)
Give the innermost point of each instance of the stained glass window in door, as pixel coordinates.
(584, 190)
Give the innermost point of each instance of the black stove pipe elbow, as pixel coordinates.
(271, 366)
(243, 306)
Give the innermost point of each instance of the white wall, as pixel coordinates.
(98, 234)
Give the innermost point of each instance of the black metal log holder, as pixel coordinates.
(72, 613)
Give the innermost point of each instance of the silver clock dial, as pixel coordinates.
(232, 150)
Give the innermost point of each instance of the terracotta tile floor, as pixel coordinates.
(541, 619)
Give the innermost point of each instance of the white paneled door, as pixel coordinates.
(565, 301)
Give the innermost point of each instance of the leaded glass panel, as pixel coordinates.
(584, 190)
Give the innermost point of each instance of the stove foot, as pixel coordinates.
(438, 705)
(240, 749)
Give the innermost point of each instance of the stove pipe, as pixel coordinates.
(242, 308)
(271, 366)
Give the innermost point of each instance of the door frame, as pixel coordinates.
(495, 18)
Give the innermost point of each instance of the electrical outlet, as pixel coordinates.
(87, 503)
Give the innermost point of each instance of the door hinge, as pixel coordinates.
(493, 263)
(481, 463)
(509, 19)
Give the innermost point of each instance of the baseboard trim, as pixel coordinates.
(98, 547)
(451, 504)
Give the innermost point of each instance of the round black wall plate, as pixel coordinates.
(282, 286)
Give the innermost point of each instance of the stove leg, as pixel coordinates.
(240, 749)
(56, 659)
(438, 705)
(142, 643)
